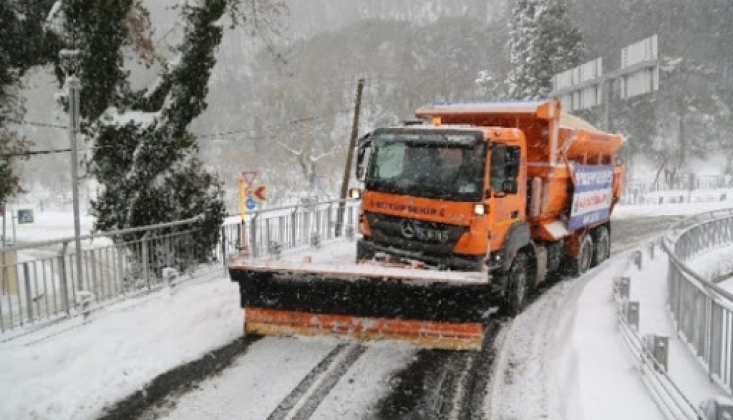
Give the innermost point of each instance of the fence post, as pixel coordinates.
(637, 259)
(658, 347)
(332, 233)
(319, 221)
(623, 285)
(28, 299)
(120, 253)
(253, 236)
(223, 240)
(709, 337)
(97, 285)
(145, 259)
(349, 231)
(294, 227)
(63, 279)
(632, 314)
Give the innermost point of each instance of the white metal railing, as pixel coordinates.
(702, 311)
(687, 188)
(39, 283)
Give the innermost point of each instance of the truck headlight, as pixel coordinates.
(479, 209)
(355, 193)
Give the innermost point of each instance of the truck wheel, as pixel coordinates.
(603, 246)
(516, 287)
(363, 252)
(580, 264)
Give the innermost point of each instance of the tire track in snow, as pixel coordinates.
(305, 398)
(442, 384)
(178, 381)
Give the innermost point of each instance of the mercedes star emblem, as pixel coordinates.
(407, 228)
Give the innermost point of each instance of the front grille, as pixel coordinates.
(413, 235)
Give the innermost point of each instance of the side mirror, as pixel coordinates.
(510, 186)
(363, 145)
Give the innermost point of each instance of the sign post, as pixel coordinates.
(246, 179)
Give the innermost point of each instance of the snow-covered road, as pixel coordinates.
(77, 371)
(531, 380)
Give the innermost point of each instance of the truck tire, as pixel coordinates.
(580, 264)
(364, 252)
(515, 296)
(602, 247)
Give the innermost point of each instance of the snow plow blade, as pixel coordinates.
(429, 308)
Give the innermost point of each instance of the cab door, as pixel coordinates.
(508, 191)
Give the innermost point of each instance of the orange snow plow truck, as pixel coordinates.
(465, 210)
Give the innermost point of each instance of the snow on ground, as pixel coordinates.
(578, 367)
(566, 358)
(714, 264)
(80, 368)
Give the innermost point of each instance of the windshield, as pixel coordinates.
(444, 165)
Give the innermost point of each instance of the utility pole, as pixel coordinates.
(69, 60)
(349, 158)
(2, 210)
(4, 284)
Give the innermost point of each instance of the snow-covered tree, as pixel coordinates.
(543, 41)
(489, 86)
(144, 158)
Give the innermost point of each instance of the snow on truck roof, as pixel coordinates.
(571, 121)
(516, 107)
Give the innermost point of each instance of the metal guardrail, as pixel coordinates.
(650, 351)
(701, 310)
(681, 182)
(678, 198)
(273, 231)
(39, 285)
(684, 189)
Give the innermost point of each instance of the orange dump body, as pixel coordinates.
(554, 142)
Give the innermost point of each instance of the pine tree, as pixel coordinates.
(543, 42)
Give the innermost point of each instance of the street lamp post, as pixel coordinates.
(69, 62)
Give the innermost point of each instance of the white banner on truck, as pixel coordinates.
(592, 197)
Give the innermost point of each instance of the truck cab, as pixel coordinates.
(443, 195)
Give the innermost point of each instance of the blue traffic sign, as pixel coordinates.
(251, 204)
(25, 216)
